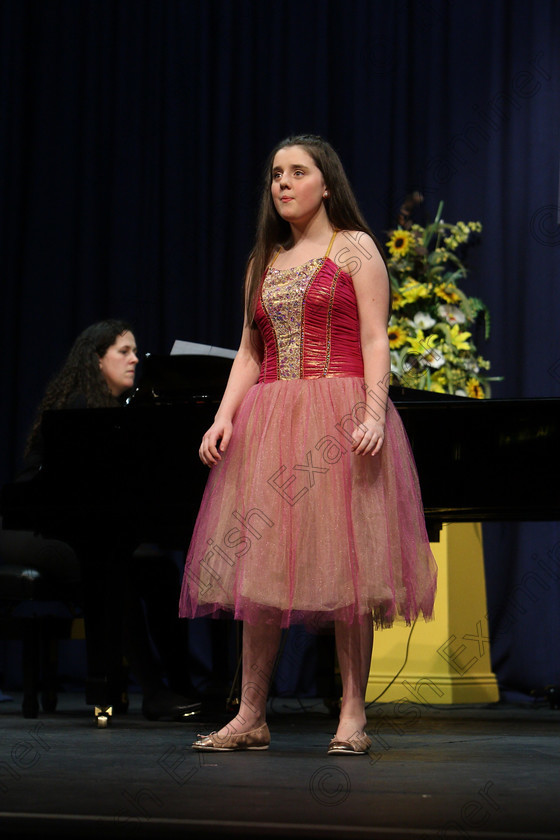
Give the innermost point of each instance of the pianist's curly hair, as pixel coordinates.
(81, 374)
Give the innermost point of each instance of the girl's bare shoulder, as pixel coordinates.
(354, 250)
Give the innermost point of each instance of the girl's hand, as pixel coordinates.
(368, 438)
(219, 432)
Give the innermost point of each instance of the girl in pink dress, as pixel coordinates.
(312, 511)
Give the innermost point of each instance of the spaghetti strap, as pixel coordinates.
(271, 263)
(330, 243)
(275, 255)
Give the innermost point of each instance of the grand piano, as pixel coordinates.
(137, 467)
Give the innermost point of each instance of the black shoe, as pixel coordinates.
(166, 705)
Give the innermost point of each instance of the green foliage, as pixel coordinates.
(430, 330)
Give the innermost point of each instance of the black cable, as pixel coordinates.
(400, 669)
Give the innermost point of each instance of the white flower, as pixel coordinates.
(471, 365)
(460, 393)
(452, 314)
(423, 321)
(434, 359)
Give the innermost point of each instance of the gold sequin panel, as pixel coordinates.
(283, 298)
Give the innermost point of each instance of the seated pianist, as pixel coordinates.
(130, 604)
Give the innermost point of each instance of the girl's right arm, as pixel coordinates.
(244, 374)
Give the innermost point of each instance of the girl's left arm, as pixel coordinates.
(371, 285)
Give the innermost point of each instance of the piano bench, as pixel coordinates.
(33, 610)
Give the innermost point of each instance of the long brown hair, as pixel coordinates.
(273, 231)
(80, 373)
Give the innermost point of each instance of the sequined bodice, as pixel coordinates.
(308, 318)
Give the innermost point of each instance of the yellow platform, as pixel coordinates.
(449, 657)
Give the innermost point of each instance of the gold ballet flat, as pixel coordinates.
(358, 745)
(256, 739)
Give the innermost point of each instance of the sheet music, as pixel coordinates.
(190, 348)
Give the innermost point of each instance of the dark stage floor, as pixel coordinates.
(467, 772)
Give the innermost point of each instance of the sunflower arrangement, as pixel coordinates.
(430, 330)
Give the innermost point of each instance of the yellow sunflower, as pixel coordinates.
(475, 389)
(400, 243)
(397, 336)
(397, 300)
(445, 292)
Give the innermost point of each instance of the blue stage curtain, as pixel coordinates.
(132, 140)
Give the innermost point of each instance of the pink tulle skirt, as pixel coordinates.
(295, 528)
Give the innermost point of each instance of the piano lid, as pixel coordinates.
(178, 379)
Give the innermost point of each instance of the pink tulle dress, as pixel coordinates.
(293, 527)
